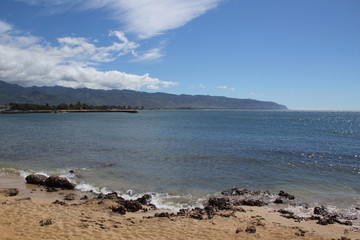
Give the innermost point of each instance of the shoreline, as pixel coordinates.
(32, 214)
(70, 111)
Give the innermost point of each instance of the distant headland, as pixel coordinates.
(13, 93)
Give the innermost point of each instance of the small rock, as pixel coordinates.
(37, 179)
(59, 182)
(286, 195)
(326, 220)
(220, 203)
(23, 199)
(278, 201)
(145, 199)
(251, 202)
(283, 211)
(239, 230)
(300, 233)
(85, 197)
(132, 205)
(196, 215)
(50, 189)
(210, 211)
(163, 214)
(9, 192)
(112, 195)
(59, 202)
(119, 209)
(46, 222)
(251, 229)
(321, 211)
(70, 197)
(182, 212)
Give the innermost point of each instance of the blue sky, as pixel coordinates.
(304, 54)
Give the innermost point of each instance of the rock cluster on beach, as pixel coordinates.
(50, 182)
(110, 216)
(225, 205)
(230, 201)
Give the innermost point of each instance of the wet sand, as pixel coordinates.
(32, 214)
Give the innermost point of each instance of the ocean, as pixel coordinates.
(182, 157)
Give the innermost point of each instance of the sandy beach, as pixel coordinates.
(32, 214)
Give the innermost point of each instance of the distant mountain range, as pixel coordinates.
(13, 93)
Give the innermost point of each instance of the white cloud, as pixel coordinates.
(152, 54)
(4, 27)
(202, 85)
(227, 88)
(146, 18)
(29, 61)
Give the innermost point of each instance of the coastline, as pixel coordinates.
(32, 214)
(71, 111)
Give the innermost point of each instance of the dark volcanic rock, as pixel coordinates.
(37, 179)
(183, 212)
(51, 189)
(70, 197)
(283, 211)
(59, 202)
(251, 229)
(210, 211)
(328, 217)
(243, 191)
(343, 222)
(59, 182)
(326, 220)
(290, 215)
(163, 214)
(85, 197)
(321, 211)
(112, 195)
(197, 213)
(132, 205)
(46, 222)
(145, 199)
(221, 203)
(119, 209)
(9, 192)
(278, 201)
(286, 195)
(250, 202)
(239, 197)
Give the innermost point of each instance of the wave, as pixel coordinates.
(164, 201)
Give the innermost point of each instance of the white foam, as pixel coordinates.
(85, 187)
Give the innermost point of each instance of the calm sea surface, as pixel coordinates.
(184, 156)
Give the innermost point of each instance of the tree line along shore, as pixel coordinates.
(14, 108)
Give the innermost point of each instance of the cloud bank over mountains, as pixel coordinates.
(30, 61)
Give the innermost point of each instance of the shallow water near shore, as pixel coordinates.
(184, 156)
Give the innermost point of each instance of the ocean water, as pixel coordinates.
(184, 156)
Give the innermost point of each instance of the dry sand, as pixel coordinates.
(31, 214)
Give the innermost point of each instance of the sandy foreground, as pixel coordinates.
(32, 214)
